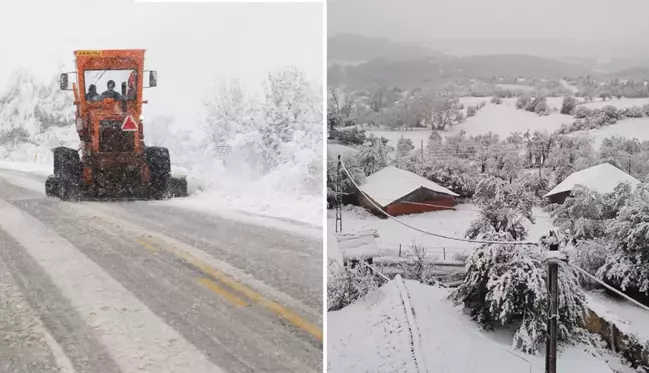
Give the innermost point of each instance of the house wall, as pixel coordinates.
(401, 207)
(559, 198)
(421, 196)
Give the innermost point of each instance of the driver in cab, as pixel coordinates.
(110, 92)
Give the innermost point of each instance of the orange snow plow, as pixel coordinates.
(114, 161)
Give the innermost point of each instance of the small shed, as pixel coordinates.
(602, 178)
(400, 192)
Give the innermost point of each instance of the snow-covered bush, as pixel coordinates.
(582, 112)
(418, 268)
(496, 100)
(523, 101)
(471, 111)
(347, 285)
(568, 105)
(632, 112)
(645, 110)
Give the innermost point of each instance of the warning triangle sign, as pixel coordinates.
(129, 124)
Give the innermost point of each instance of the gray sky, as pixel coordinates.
(190, 45)
(615, 24)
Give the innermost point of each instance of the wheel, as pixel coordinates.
(51, 186)
(157, 158)
(178, 187)
(67, 171)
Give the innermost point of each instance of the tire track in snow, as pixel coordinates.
(413, 329)
(137, 339)
(40, 300)
(239, 340)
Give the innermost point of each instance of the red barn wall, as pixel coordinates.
(400, 208)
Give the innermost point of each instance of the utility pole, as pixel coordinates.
(629, 164)
(553, 272)
(338, 199)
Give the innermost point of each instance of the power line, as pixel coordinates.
(344, 168)
(609, 287)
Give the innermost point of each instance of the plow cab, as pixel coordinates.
(113, 160)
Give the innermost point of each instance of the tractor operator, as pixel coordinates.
(92, 94)
(111, 93)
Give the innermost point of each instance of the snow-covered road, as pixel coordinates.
(151, 287)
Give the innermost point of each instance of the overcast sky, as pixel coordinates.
(617, 23)
(190, 45)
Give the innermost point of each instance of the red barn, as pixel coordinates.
(400, 192)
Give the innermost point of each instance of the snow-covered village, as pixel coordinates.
(456, 183)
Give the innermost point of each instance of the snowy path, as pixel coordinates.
(148, 287)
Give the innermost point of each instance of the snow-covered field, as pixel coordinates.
(409, 327)
(504, 119)
(449, 223)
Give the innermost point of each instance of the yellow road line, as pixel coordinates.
(206, 282)
(147, 245)
(288, 315)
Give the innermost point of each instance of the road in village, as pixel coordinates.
(151, 287)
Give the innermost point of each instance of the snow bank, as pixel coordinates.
(358, 244)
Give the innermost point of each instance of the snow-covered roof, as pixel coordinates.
(602, 178)
(391, 183)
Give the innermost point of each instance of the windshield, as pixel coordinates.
(115, 84)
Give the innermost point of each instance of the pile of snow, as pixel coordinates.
(358, 244)
(602, 178)
(391, 183)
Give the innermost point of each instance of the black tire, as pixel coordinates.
(159, 162)
(178, 187)
(67, 171)
(52, 186)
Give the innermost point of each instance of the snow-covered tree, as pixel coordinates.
(373, 156)
(568, 105)
(627, 265)
(354, 168)
(404, 146)
(504, 207)
(505, 282)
